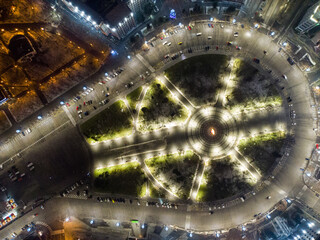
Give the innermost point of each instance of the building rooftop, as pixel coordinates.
(117, 14)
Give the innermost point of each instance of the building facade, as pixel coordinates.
(281, 228)
(137, 5)
(118, 22)
(310, 19)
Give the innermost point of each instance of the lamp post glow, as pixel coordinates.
(212, 132)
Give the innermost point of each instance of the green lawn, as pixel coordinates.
(222, 179)
(263, 149)
(128, 179)
(154, 192)
(160, 108)
(175, 171)
(133, 97)
(199, 77)
(252, 90)
(113, 122)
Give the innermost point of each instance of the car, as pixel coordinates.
(31, 168)
(211, 25)
(166, 56)
(165, 43)
(180, 43)
(221, 25)
(290, 61)
(209, 37)
(30, 164)
(242, 198)
(2, 188)
(169, 44)
(236, 34)
(269, 197)
(189, 28)
(265, 52)
(86, 113)
(105, 101)
(78, 97)
(217, 47)
(80, 115)
(199, 34)
(242, 26)
(156, 9)
(284, 76)
(238, 48)
(256, 60)
(307, 159)
(229, 43)
(279, 50)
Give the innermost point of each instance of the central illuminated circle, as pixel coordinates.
(212, 132)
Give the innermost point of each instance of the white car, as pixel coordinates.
(221, 25)
(28, 130)
(236, 34)
(169, 43)
(165, 43)
(284, 76)
(199, 34)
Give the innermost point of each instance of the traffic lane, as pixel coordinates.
(117, 211)
(236, 215)
(123, 155)
(59, 161)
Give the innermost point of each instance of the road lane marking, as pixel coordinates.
(66, 110)
(187, 225)
(145, 62)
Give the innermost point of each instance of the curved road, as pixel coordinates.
(287, 182)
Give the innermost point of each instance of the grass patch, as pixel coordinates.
(175, 171)
(113, 122)
(252, 90)
(133, 98)
(222, 179)
(263, 150)
(199, 77)
(160, 108)
(155, 192)
(128, 179)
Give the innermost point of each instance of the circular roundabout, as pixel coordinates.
(212, 132)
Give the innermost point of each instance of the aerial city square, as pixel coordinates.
(159, 119)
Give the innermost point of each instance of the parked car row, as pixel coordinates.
(113, 200)
(71, 188)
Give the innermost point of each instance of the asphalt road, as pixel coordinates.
(286, 183)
